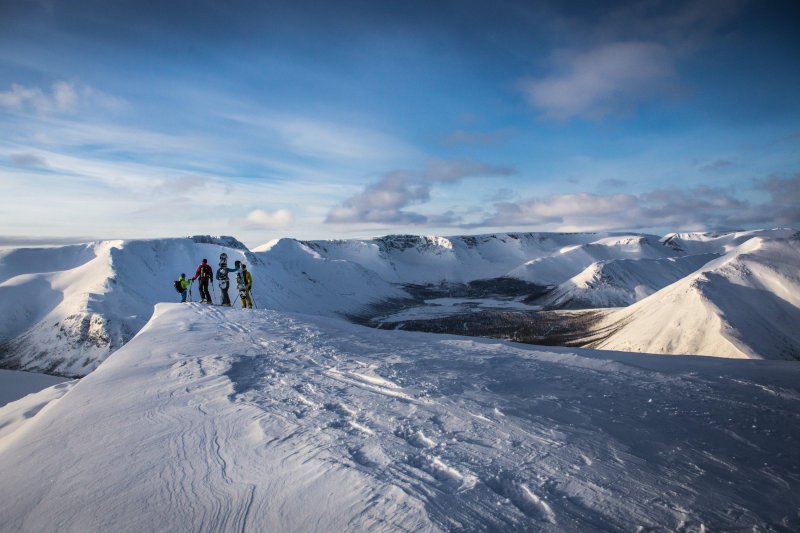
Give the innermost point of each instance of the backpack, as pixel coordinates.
(178, 285)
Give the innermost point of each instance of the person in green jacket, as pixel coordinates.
(185, 284)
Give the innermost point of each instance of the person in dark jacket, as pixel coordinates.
(205, 275)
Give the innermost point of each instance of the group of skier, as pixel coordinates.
(205, 275)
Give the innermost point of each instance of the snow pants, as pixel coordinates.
(204, 295)
(226, 300)
(247, 301)
(183, 296)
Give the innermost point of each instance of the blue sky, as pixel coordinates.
(354, 119)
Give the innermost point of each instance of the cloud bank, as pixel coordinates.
(694, 208)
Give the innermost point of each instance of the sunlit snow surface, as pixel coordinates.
(218, 419)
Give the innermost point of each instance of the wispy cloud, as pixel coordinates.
(323, 139)
(612, 78)
(628, 56)
(61, 97)
(385, 201)
(711, 166)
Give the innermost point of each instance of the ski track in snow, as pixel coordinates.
(273, 421)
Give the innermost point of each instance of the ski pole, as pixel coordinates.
(191, 298)
(252, 299)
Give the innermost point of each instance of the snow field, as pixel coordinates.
(268, 420)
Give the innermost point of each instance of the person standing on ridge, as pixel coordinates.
(244, 282)
(184, 284)
(205, 274)
(224, 280)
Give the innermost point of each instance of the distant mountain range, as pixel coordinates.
(65, 309)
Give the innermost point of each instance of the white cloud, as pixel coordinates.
(628, 54)
(62, 97)
(260, 219)
(609, 79)
(384, 201)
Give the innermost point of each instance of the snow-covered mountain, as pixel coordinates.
(66, 308)
(216, 419)
(621, 282)
(746, 304)
(720, 243)
(416, 259)
(289, 418)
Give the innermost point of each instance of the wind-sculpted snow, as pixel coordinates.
(216, 419)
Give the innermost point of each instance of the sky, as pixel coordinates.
(332, 120)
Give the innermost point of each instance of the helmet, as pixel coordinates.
(183, 275)
(205, 261)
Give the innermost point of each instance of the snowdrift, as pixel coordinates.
(217, 419)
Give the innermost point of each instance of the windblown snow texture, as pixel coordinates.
(216, 419)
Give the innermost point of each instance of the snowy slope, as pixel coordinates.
(225, 420)
(65, 309)
(571, 261)
(621, 282)
(720, 243)
(744, 304)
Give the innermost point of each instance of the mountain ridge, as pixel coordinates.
(67, 308)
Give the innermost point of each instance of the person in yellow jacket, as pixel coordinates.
(244, 282)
